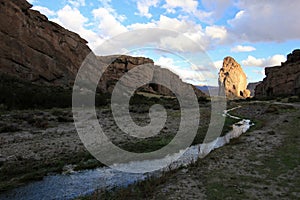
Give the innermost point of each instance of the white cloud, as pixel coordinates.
(176, 24)
(188, 6)
(264, 62)
(260, 72)
(77, 3)
(44, 10)
(216, 32)
(186, 74)
(206, 38)
(186, 29)
(106, 4)
(241, 48)
(218, 64)
(266, 20)
(108, 25)
(72, 19)
(217, 8)
(31, 1)
(143, 7)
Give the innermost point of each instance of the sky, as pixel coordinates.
(181, 34)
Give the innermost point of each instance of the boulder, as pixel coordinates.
(232, 80)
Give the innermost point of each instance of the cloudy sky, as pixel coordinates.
(257, 33)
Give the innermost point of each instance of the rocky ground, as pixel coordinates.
(34, 143)
(262, 164)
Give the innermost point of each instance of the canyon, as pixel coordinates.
(283, 80)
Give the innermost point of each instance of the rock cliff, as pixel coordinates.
(41, 52)
(283, 80)
(232, 80)
(35, 49)
(119, 65)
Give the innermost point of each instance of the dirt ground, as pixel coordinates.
(35, 143)
(264, 163)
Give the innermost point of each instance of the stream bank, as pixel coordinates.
(68, 186)
(261, 164)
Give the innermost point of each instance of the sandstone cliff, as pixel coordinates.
(281, 80)
(119, 65)
(35, 49)
(41, 52)
(232, 80)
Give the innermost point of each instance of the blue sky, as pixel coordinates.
(257, 33)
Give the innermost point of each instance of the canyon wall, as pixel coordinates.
(42, 52)
(35, 49)
(283, 80)
(117, 66)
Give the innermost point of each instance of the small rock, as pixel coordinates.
(271, 133)
(64, 119)
(2, 161)
(184, 170)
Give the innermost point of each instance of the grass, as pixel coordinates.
(286, 157)
(139, 190)
(21, 94)
(282, 160)
(149, 145)
(273, 170)
(218, 190)
(145, 189)
(18, 173)
(228, 124)
(41, 97)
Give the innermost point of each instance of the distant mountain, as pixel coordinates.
(252, 86)
(209, 90)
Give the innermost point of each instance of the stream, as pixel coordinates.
(75, 184)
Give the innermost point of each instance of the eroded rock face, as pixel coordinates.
(232, 80)
(35, 49)
(120, 65)
(281, 80)
(42, 52)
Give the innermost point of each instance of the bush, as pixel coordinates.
(19, 94)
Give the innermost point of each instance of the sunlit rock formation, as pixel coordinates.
(232, 80)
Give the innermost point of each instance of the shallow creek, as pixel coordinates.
(75, 184)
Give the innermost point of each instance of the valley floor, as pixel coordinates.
(263, 163)
(36, 143)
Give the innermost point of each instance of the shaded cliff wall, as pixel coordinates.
(119, 65)
(36, 49)
(283, 80)
(39, 60)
